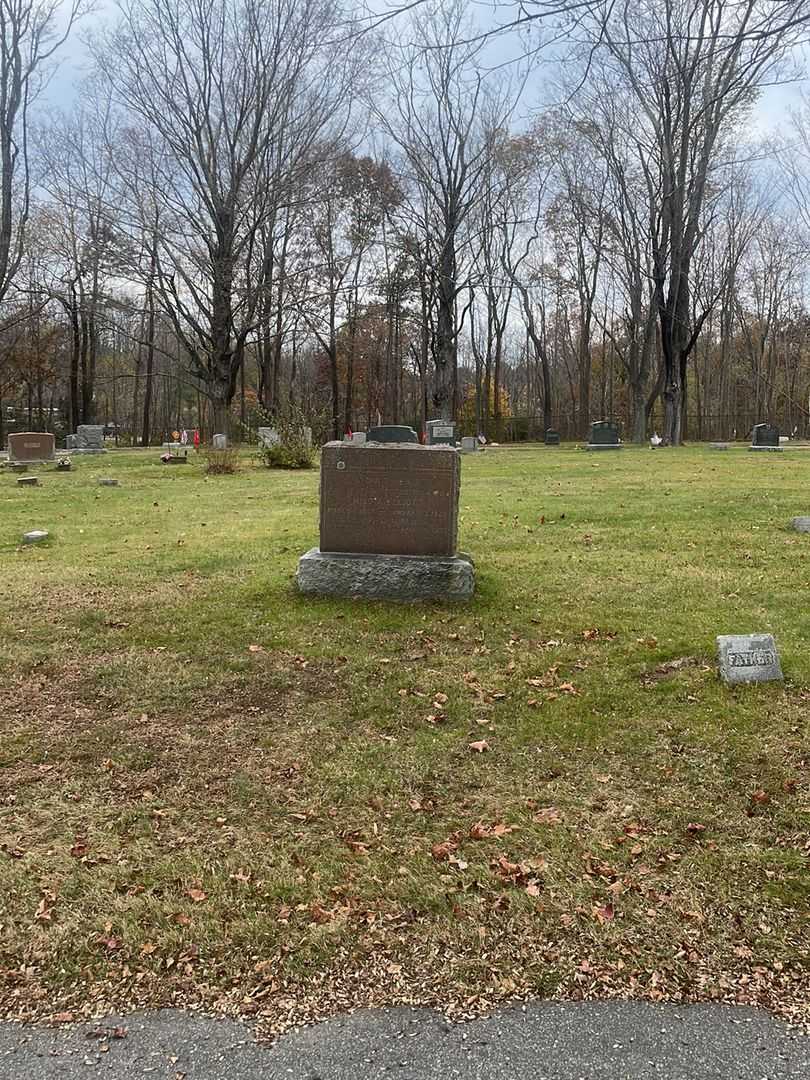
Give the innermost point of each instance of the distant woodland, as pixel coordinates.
(258, 206)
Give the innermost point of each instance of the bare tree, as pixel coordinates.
(443, 116)
(693, 68)
(28, 40)
(232, 98)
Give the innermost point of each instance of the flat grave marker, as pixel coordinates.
(748, 658)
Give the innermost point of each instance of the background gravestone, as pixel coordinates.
(268, 436)
(441, 433)
(552, 437)
(748, 658)
(469, 444)
(765, 437)
(391, 433)
(604, 435)
(219, 442)
(388, 525)
(89, 439)
(30, 446)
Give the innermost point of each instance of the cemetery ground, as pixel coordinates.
(216, 792)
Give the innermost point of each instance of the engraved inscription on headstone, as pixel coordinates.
(393, 500)
(441, 433)
(748, 658)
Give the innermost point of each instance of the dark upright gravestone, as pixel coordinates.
(552, 437)
(392, 433)
(604, 435)
(441, 433)
(765, 437)
(388, 527)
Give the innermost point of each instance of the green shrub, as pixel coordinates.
(294, 449)
(221, 462)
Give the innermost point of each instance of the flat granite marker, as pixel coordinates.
(388, 525)
(748, 658)
(36, 536)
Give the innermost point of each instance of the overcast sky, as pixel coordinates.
(64, 88)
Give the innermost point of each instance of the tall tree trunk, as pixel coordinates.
(150, 360)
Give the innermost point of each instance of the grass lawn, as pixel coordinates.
(216, 792)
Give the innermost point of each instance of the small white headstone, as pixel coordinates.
(469, 444)
(36, 536)
(748, 658)
(220, 442)
(801, 524)
(358, 437)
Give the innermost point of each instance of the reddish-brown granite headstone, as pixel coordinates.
(31, 446)
(396, 499)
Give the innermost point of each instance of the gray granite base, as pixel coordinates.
(604, 446)
(768, 449)
(88, 450)
(386, 577)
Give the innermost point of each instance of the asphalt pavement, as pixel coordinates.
(540, 1041)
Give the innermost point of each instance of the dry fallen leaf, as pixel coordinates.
(480, 746)
(604, 914)
(446, 848)
(197, 895)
